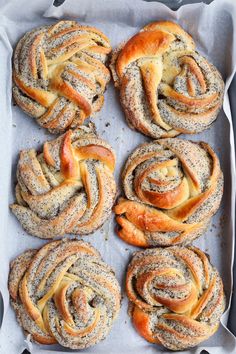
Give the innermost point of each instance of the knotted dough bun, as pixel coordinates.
(59, 74)
(64, 293)
(177, 296)
(166, 86)
(173, 187)
(68, 188)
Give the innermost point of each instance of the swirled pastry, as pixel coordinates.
(68, 188)
(177, 296)
(173, 187)
(64, 293)
(166, 86)
(59, 74)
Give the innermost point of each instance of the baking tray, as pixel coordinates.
(232, 92)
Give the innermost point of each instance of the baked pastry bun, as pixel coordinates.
(177, 296)
(172, 188)
(67, 188)
(166, 86)
(64, 293)
(59, 74)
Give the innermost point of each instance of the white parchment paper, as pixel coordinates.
(213, 29)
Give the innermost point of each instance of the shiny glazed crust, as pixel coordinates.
(68, 188)
(176, 294)
(172, 188)
(64, 293)
(59, 74)
(166, 86)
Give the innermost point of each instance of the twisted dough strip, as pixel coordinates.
(64, 293)
(173, 187)
(59, 74)
(69, 188)
(177, 296)
(166, 87)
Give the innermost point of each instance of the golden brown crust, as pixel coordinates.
(142, 45)
(59, 74)
(177, 296)
(141, 322)
(171, 27)
(69, 188)
(64, 293)
(173, 187)
(166, 86)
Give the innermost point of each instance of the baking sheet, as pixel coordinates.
(213, 29)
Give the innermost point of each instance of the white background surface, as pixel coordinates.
(212, 29)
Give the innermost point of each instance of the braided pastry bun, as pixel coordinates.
(166, 87)
(173, 187)
(68, 188)
(176, 294)
(64, 293)
(59, 74)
